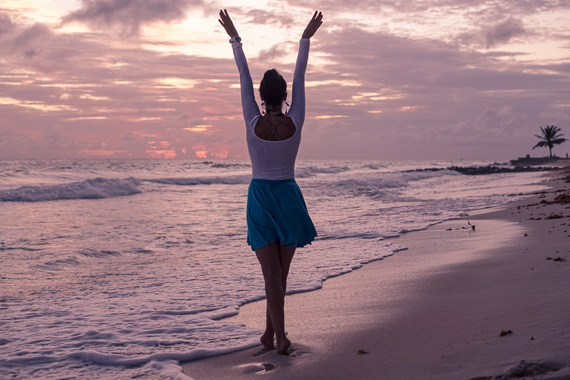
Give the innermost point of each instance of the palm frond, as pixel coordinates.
(540, 144)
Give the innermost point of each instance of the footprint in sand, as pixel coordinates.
(266, 368)
(257, 368)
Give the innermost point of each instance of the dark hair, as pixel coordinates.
(272, 88)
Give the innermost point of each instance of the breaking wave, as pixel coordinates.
(95, 188)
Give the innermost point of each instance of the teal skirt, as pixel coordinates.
(276, 211)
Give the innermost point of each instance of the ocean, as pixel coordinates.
(121, 269)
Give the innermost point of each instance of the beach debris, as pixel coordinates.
(554, 216)
(526, 370)
(471, 227)
(505, 332)
(525, 234)
(559, 258)
(361, 351)
(562, 198)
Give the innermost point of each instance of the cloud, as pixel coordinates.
(130, 15)
(274, 52)
(503, 32)
(31, 40)
(6, 24)
(410, 6)
(261, 17)
(402, 93)
(103, 99)
(22, 40)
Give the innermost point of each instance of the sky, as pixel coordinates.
(387, 79)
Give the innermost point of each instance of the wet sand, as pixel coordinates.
(457, 304)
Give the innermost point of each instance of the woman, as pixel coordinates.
(277, 218)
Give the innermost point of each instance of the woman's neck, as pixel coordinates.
(276, 111)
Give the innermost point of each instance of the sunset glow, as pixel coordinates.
(156, 79)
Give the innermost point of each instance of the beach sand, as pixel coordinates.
(489, 303)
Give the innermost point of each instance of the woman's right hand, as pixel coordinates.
(227, 23)
(314, 24)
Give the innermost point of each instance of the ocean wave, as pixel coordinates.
(93, 253)
(57, 265)
(94, 188)
(374, 166)
(387, 184)
(220, 165)
(193, 181)
(310, 171)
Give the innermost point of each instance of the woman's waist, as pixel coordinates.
(273, 169)
(273, 181)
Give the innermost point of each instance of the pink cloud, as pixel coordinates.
(6, 24)
(131, 15)
(503, 32)
(371, 93)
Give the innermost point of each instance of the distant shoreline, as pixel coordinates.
(517, 166)
(537, 160)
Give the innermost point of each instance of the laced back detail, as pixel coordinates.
(270, 129)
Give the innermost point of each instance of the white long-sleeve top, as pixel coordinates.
(273, 160)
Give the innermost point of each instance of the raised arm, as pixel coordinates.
(297, 110)
(248, 104)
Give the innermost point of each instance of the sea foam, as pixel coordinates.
(95, 188)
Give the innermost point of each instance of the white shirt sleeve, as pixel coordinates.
(250, 109)
(297, 110)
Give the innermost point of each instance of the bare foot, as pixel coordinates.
(283, 345)
(267, 341)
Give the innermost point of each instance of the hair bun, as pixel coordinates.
(271, 76)
(272, 88)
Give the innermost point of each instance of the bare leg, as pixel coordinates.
(269, 334)
(275, 260)
(285, 256)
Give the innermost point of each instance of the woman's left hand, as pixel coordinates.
(227, 23)
(314, 25)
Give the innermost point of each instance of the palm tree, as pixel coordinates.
(550, 137)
